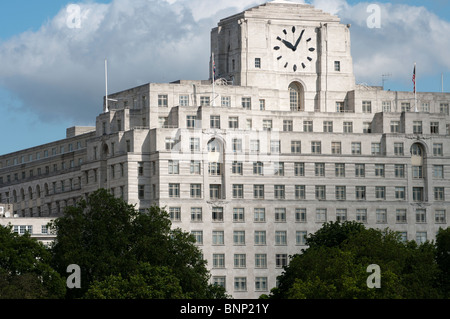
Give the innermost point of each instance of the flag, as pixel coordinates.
(214, 69)
(414, 78)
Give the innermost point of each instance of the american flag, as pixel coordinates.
(414, 78)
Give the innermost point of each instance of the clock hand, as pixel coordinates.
(298, 40)
(288, 44)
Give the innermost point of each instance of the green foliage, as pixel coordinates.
(335, 265)
(116, 245)
(25, 271)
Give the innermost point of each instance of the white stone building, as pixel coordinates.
(283, 141)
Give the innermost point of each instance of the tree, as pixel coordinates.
(443, 259)
(335, 266)
(25, 271)
(111, 242)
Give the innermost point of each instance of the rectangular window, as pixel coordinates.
(296, 147)
(366, 106)
(320, 192)
(300, 215)
(196, 214)
(260, 261)
(438, 171)
(316, 147)
(328, 126)
(321, 215)
(214, 121)
(400, 216)
(434, 127)
(356, 148)
(348, 127)
(341, 214)
(141, 189)
(281, 260)
(238, 191)
(174, 190)
(259, 215)
(278, 169)
(418, 194)
(361, 215)
(438, 149)
(205, 101)
(417, 127)
(379, 170)
(239, 261)
(380, 192)
(280, 215)
(439, 194)
(262, 105)
(261, 284)
(218, 237)
(184, 100)
(340, 107)
(233, 122)
(376, 148)
(395, 126)
(174, 167)
(400, 193)
(238, 214)
(339, 170)
(337, 66)
(307, 126)
(190, 121)
(279, 192)
(319, 169)
(196, 190)
(175, 213)
(360, 192)
(287, 126)
(236, 145)
(195, 167)
(398, 149)
(215, 191)
(399, 170)
(300, 192)
(440, 216)
(217, 214)
(386, 105)
(246, 103)
(258, 191)
(280, 238)
(444, 108)
(225, 101)
(162, 100)
(336, 148)
(254, 146)
(340, 193)
(260, 237)
(417, 172)
(421, 215)
(218, 260)
(299, 169)
(236, 168)
(267, 125)
(381, 216)
(275, 146)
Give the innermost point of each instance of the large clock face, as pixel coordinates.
(294, 49)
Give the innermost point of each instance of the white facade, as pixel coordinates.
(264, 156)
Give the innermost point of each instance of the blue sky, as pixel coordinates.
(51, 75)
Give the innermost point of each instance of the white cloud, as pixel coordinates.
(57, 71)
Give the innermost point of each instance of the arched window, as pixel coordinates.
(214, 146)
(296, 97)
(416, 150)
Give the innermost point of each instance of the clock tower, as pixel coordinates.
(282, 44)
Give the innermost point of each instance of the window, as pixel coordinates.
(405, 106)
(296, 97)
(218, 237)
(254, 146)
(198, 234)
(434, 127)
(239, 261)
(300, 215)
(162, 100)
(421, 215)
(319, 169)
(170, 143)
(240, 284)
(398, 149)
(281, 260)
(366, 106)
(439, 194)
(279, 192)
(376, 148)
(204, 100)
(337, 66)
(190, 121)
(195, 167)
(321, 215)
(246, 103)
(381, 216)
(437, 149)
(174, 190)
(214, 121)
(287, 125)
(367, 127)
(341, 214)
(339, 170)
(257, 63)
(418, 194)
(280, 214)
(281, 238)
(218, 260)
(196, 190)
(386, 105)
(236, 168)
(261, 284)
(340, 193)
(328, 126)
(421, 237)
(361, 215)
(307, 126)
(417, 127)
(400, 215)
(236, 145)
(258, 191)
(340, 107)
(267, 125)
(217, 214)
(262, 105)
(196, 214)
(260, 261)
(399, 170)
(360, 192)
(194, 144)
(299, 169)
(348, 127)
(316, 147)
(438, 171)
(141, 189)
(395, 126)
(260, 237)
(184, 100)
(238, 191)
(380, 192)
(233, 122)
(258, 168)
(175, 213)
(336, 148)
(225, 101)
(440, 216)
(278, 169)
(360, 170)
(444, 108)
(238, 215)
(275, 146)
(400, 193)
(259, 215)
(417, 172)
(356, 148)
(379, 170)
(174, 167)
(320, 192)
(300, 192)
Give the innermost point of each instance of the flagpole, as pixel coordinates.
(415, 88)
(106, 86)
(213, 75)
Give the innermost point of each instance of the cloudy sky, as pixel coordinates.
(52, 52)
